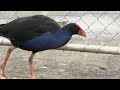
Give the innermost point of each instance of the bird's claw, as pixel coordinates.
(2, 74)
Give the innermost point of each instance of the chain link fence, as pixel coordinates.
(102, 27)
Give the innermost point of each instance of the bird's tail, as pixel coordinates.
(3, 30)
(2, 24)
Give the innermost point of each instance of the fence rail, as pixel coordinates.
(102, 27)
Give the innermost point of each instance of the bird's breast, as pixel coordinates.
(43, 42)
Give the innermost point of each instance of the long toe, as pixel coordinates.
(3, 75)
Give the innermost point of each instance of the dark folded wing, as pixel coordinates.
(27, 28)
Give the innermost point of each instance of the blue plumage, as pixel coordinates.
(48, 40)
(37, 33)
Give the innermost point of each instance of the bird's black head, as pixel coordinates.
(75, 29)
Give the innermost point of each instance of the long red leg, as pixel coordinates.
(31, 66)
(5, 61)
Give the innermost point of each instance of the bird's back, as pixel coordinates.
(26, 28)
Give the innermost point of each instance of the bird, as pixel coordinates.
(36, 33)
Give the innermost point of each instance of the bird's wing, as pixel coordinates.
(27, 28)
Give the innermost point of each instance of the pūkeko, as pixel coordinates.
(36, 33)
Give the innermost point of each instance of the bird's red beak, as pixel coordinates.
(81, 31)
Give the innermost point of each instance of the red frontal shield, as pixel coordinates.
(81, 31)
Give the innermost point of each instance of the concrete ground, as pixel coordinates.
(54, 64)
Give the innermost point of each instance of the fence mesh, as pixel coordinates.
(102, 27)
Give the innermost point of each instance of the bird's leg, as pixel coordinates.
(31, 66)
(5, 61)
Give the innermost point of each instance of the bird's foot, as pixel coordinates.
(3, 75)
